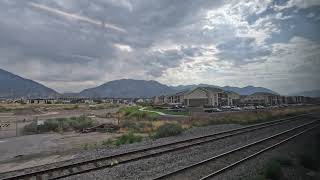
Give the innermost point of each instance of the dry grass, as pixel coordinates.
(251, 117)
(14, 107)
(147, 126)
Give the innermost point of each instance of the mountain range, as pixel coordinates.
(16, 86)
(242, 91)
(12, 85)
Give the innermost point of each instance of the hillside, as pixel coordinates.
(248, 90)
(13, 86)
(127, 88)
(242, 91)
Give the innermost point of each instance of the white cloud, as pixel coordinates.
(290, 66)
(235, 15)
(301, 4)
(123, 47)
(77, 17)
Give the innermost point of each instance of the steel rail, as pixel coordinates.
(256, 154)
(173, 173)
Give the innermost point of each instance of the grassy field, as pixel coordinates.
(16, 107)
(134, 113)
(133, 120)
(246, 118)
(134, 123)
(166, 111)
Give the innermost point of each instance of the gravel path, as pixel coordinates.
(152, 167)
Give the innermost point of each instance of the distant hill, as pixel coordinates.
(128, 88)
(247, 90)
(242, 91)
(16, 86)
(312, 93)
(13, 86)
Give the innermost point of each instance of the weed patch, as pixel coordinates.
(127, 139)
(167, 130)
(59, 125)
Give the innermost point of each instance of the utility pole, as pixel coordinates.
(17, 133)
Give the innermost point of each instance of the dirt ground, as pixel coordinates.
(32, 150)
(18, 152)
(27, 117)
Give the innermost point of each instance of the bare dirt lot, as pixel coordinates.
(14, 121)
(31, 150)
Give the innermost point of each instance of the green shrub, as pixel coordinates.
(167, 130)
(284, 161)
(307, 161)
(71, 107)
(259, 177)
(127, 139)
(273, 170)
(59, 124)
(107, 142)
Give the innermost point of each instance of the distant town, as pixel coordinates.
(197, 97)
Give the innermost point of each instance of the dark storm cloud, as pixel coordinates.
(241, 51)
(92, 41)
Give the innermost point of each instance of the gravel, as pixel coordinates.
(90, 154)
(190, 133)
(250, 169)
(152, 167)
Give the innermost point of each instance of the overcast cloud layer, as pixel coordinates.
(70, 45)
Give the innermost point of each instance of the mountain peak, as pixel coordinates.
(128, 88)
(13, 86)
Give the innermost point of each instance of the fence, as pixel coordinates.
(9, 129)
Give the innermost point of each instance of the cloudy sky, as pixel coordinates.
(70, 45)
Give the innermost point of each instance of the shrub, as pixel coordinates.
(107, 142)
(71, 107)
(259, 177)
(167, 130)
(135, 113)
(307, 161)
(127, 139)
(273, 170)
(284, 161)
(59, 124)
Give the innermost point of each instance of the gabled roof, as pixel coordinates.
(181, 93)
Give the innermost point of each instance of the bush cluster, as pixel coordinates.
(134, 113)
(167, 130)
(59, 125)
(140, 127)
(128, 138)
(273, 170)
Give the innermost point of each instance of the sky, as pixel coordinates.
(70, 45)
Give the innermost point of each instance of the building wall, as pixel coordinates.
(197, 97)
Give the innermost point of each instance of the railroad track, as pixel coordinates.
(53, 171)
(213, 166)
